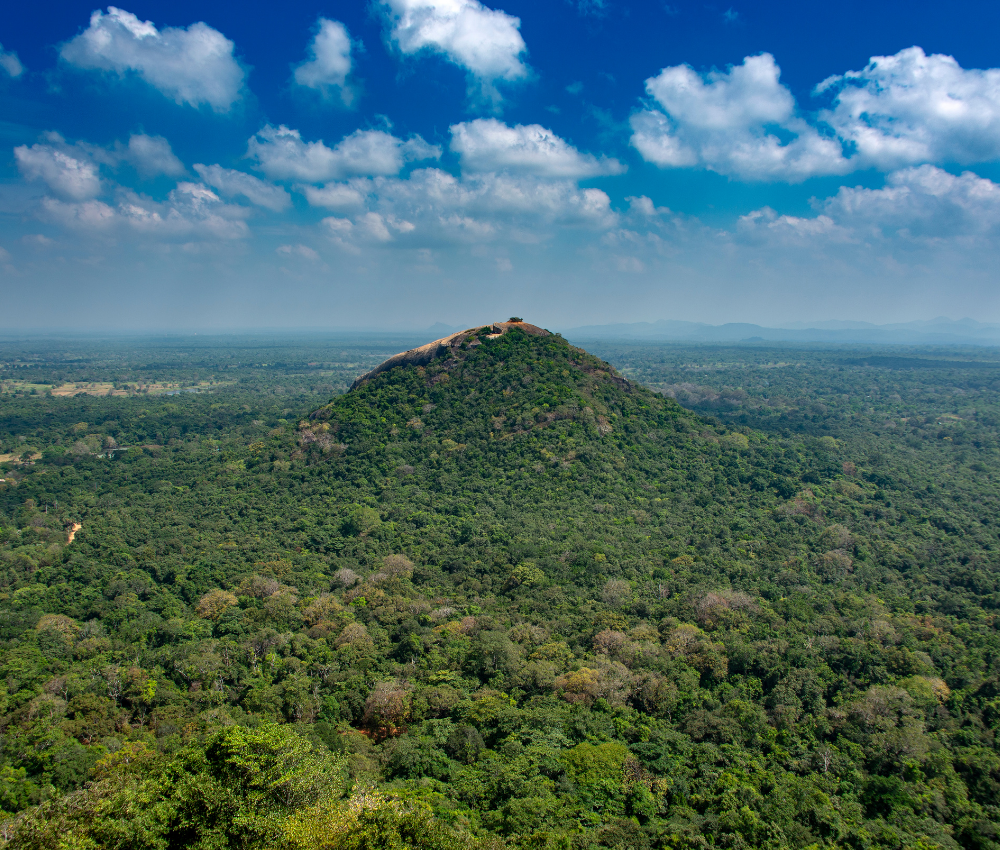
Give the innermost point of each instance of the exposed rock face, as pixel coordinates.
(426, 353)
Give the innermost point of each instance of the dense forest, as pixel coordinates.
(715, 596)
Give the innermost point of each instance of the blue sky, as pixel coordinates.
(392, 164)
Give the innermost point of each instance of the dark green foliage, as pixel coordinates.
(524, 596)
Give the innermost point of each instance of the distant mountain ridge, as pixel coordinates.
(941, 331)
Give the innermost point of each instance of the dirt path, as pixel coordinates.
(72, 532)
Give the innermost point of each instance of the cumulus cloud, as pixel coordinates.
(341, 232)
(72, 170)
(495, 196)
(375, 227)
(787, 228)
(912, 108)
(149, 155)
(193, 65)
(282, 155)
(89, 215)
(329, 63)
(152, 155)
(900, 110)
(232, 183)
(921, 211)
(191, 211)
(923, 204)
(334, 196)
(741, 122)
(431, 207)
(746, 96)
(10, 64)
(69, 176)
(487, 144)
(485, 42)
(643, 207)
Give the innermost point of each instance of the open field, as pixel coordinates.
(107, 388)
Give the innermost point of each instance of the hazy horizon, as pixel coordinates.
(443, 327)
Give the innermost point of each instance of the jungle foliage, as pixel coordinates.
(511, 598)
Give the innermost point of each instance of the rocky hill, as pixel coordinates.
(451, 346)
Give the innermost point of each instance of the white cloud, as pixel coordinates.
(367, 227)
(337, 226)
(193, 65)
(300, 250)
(10, 63)
(493, 196)
(340, 232)
(643, 207)
(89, 215)
(745, 97)
(149, 155)
(415, 149)
(373, 226)
(431, 207)
(899, 110)
(487, 144)
(788, 227)
(486, 42)
(334, 196)
(152, 155)
(72, 171)
(741, 122)
(282, 155)
(912, 108)
(232, 183)
(69, 176)
(201, 207)
(329, 62)
(655, 138)
(922, 205)
(923, 202)
(191, 211)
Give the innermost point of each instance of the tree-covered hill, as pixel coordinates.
(503, 597)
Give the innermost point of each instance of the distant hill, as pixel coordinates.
(940, 331)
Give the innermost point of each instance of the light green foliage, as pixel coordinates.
(235, 789)
(371, 821)
(590, 764)
(273, 762)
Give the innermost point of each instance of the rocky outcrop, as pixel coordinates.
(447, 345)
